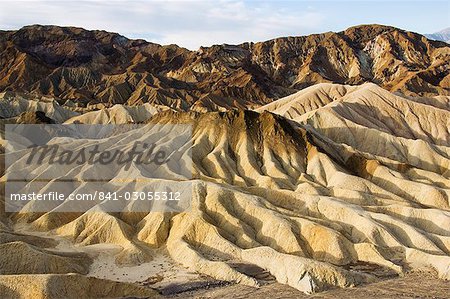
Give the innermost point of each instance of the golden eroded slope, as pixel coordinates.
(352, 188)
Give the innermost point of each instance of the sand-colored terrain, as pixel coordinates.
(333, 187)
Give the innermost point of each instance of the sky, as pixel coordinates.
(192, 24)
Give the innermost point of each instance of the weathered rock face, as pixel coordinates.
(333, 185)
(13, 105)
(72, 285)
(330, 192)
(101, 67)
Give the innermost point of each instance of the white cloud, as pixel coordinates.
(186, 23)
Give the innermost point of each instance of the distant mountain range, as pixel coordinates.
(92, 67)
(443, 35)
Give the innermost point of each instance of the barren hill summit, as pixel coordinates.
(90, 67)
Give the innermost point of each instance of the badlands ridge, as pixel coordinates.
(332, 186)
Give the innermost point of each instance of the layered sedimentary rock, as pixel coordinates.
(92, 67)
(321, 185)
(333, 186)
